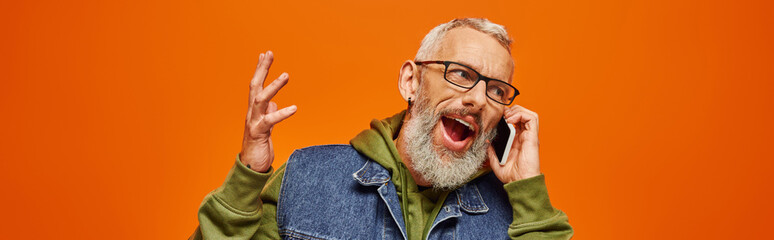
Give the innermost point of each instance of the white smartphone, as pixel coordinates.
(503, 140)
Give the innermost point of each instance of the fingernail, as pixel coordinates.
(284, 76)
(269, 53)
(293, 108)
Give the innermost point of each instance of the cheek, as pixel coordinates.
(440, 92)
(494, 119)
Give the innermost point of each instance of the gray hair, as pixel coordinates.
(433, 39)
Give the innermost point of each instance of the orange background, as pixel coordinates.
(119, 117)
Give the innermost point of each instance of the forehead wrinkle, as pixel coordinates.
(472, 53)
(475, 66)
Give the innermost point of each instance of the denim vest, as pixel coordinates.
(334, 192)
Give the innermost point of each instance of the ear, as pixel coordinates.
(408, 80)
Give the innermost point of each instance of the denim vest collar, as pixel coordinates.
(372, 174)
(468, 196)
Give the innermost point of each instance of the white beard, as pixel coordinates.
(443, 168)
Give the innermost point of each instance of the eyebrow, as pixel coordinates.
(478, 69)
(474, 66)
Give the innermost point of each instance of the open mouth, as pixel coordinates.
(458, 132)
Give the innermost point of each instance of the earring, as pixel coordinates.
(409, 101)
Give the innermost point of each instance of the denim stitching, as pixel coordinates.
(365, 170)
(439, 221)
(360, 175)
(466, 205)
(294, 234)
(393, 215)
(379, 180)
(485, 207)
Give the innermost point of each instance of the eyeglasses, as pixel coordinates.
(466, 77)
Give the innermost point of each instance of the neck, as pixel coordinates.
(400, 145)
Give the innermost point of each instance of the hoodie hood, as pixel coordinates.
(377, 144)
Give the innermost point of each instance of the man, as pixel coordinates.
(426, 173)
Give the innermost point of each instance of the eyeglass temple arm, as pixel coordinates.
(425, 62)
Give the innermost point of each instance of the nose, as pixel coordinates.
(475, 97)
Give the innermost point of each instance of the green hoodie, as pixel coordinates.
(245, 206)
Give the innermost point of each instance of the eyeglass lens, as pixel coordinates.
(466, 77)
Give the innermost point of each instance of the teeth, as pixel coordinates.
(464, 123)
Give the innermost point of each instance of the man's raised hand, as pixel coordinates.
(523, 160)
(257, 149)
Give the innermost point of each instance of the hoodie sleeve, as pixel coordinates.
(244, 207)
(533, 215)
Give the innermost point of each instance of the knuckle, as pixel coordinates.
(260, 97)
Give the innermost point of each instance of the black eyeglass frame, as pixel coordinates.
(480, 77)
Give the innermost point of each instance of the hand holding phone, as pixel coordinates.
(522, 154)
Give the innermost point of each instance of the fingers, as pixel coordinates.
(272, 107)
(522, 117)
(277, 116)
(502, 172)
(515, 109)
(262, 113)
(256, 83)
(263, 97)
(264, 63)
(526, 124)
